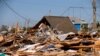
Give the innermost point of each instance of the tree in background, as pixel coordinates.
(4, 28)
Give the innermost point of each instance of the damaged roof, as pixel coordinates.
(59, 22)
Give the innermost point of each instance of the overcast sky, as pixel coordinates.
(36, 9)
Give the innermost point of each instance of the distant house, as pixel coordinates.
(78, 23)
(59, 22)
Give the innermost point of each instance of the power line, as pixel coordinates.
(1, 4)
(13, 10)
(65, 11)
(26, 20)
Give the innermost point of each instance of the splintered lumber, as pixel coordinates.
(97, 47)
(97, 43)
(34, 54)
(69, 43)
(58, 45)
(1, 38)
(61, 53)
(90, 46)
(18, 42)
(6, 40)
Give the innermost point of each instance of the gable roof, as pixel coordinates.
(61, 23)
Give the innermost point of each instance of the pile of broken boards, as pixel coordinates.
(49, 44)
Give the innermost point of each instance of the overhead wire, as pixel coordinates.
(1, 4)
(13, 10)
(65, 11)
(27, 20)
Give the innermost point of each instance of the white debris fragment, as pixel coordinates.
(71, 50)
(62, 37)
(71, 33)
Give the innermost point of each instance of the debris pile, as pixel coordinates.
(46, 41)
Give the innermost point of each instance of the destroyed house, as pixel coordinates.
(59, 22)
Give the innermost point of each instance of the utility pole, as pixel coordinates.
(94, 15)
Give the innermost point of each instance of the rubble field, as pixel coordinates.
(49, 42)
